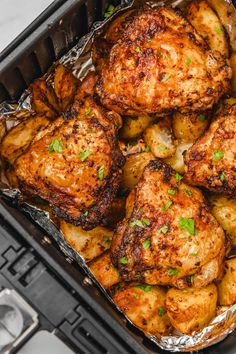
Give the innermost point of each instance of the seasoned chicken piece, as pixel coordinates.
(144, 305)
(160, 64)
(170, 238)
(65, 86)
(76, 166)
(104, 271)
(20, 137)
(44, 99)
(210, 162)
(89, 244)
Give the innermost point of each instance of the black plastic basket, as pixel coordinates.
(29, 261)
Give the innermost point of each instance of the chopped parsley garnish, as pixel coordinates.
(146, 244)
(147, 149)
(159, 54)
(187, 225)
(178, 177)
(188, 61)
(166, 77)
(163, 147)
(218, 155)
(146, 221)
(55, 146)
(84, 155)
(218, 30)
(194, 254)
(222, 177)
(171, 192)
(110, 10)
(107, 239)
(88, 111)
(86, 214)
(140, 223)
(133, 143)
(188, 192)
(145, 288)
(101, 172)
(167, 205)
(161, 311)
(164, 229)
(138, 49)
(123, 260)
(173, 271)
(202, 118)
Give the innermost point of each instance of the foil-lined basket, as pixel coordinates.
(79, 60)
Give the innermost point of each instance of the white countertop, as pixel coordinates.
(16, 15)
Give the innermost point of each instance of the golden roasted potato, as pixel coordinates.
(65, 85)
(2, 129)
(227, 286)
(188, 127)
(208, 25)
(20, 137)
(177, 161)
(224, 210)
(129, 204)
(44, 99)
(191, 309)
(144, 305)
(104, 271)
(133, 127)
(160, 140)
(133, 168)
(90, 244)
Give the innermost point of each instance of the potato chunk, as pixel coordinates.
(191, 309)
(44, 99)
(224, 210)
(160, 140)
(188, 127)
(177, 161)
(104, 271)
(144, 305)
(133, 168)
(65, 85)
(208, 25)
(17, 140)
(133, 127)
(90, 244)
(227, 286)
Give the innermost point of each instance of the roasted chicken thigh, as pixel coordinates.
(77, 165)
(159, 64)
(170, 238)
(210, 162)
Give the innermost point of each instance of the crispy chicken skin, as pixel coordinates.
(77, 165)
(170, 238)
(210, 162)
(159, 64)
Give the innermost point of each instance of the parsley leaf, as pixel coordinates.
(146, 244)
(187, 225)
(56, 145)
(86, 214)
(202, 118)
(166, 77)
(138, 49)
(173, 271)
(123, 260)
(194, 254)
(178, 177)
(222, 177)
(84, 155)
(110, 10)
(136, 223)
(146, 221)
(171, 192)
(107, 239)
(167, 205)
(164, 229)
(101, 172)
(88, 111)
(218, 155)
(161, 311)
(218, 30)
(147, 149)
(145, 288)
(188, 61)
(188, 192)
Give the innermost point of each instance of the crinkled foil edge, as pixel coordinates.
(79, 60)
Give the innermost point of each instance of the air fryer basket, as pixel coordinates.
(25, 60)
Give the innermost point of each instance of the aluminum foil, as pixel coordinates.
(79, 60)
